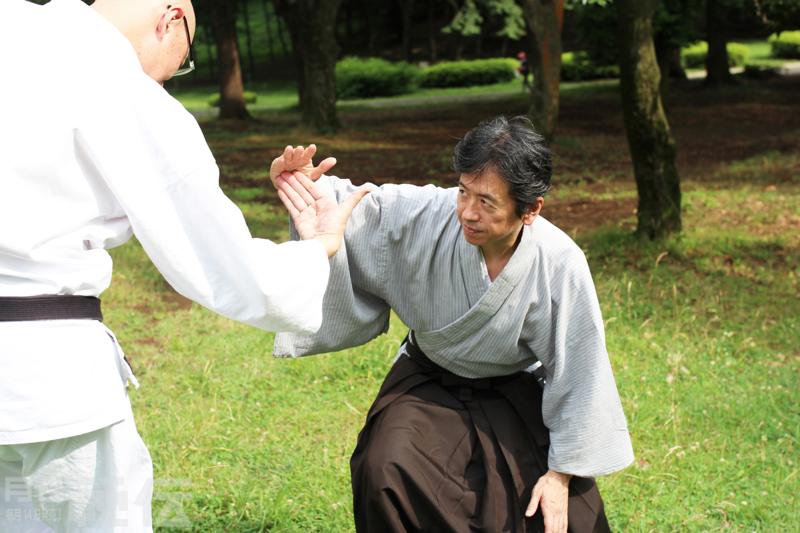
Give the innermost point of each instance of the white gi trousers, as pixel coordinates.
(99, 482)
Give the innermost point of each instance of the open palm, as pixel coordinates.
(315, 215)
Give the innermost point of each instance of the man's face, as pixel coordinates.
(487, 211)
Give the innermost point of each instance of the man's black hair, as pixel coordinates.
(514, 149)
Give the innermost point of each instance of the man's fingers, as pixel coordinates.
(324, 166)
(534, 504)
(297, 155)
(304, 187)
(293, 195)
(308, 185)
(309, 152)
(293, 212)
(352, 201)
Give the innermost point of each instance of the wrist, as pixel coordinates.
(559, 477)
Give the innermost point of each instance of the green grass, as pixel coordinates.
(703, 331)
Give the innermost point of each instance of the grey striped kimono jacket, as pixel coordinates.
(404, 250)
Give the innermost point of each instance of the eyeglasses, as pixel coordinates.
(190, 67)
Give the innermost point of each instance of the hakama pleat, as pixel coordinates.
(441, 453)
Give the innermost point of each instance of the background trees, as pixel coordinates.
(299, 42)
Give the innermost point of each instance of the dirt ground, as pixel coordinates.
(712, 128)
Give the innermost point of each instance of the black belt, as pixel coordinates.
(51, 307)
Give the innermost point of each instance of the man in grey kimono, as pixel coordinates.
(464, 435)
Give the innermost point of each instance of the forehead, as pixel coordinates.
(489, 182)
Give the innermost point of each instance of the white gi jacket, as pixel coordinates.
(92, 151)
(404, 250)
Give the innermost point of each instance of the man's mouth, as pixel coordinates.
(470, 231)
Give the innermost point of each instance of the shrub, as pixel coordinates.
(694, 55)
(249, 98)
(469, 73)
(369, 77)
(786, 44)
(577, 66)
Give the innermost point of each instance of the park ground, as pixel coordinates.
(703, 329)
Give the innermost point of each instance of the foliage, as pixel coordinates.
(578, 66)
(469, 18)
(364, 78)
(779, 14)
(249, 98)
(786, 45)
(694, 56)
(468, 73)
(676, 23)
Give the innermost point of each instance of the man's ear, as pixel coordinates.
(167, 22)
(532, 211)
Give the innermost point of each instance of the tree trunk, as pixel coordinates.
(649, 139)
(231, 103)
(407, 8)
(669, 64)
(432, 31)
(251, 65)
(314, 41)
(268, 30)
(717, 68)
(545, 19)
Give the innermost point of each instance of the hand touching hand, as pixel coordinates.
(551, 492)
(315, 215)
(299, 159)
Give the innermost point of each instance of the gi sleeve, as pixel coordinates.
(354, 310)
(152, 155)
(581, 406)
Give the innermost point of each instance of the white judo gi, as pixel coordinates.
(93, 151)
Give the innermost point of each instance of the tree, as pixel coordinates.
(231, 86)
(717, 66)
(311, 26)
(545, 19)
(649, 138)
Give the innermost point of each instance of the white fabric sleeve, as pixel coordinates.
(354, 310)
(152, 155)
(581, 406)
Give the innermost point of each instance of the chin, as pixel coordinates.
(473, 240)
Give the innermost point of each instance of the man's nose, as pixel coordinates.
(470, 213)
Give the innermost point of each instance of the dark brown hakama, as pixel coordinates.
(441, 453)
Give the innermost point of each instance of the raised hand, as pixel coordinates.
(316, 215)
(300, 159)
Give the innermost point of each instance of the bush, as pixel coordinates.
(368, 77)
(577, 66)
(469, 73)
(786, 45)
(694, 55)
(249, 98)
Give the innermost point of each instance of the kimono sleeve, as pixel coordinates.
(581, 406)
(151, 154)
(354, 310)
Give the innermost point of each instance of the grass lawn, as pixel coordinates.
(703, 330)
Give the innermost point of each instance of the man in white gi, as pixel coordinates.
(93, 151)
(461, 437)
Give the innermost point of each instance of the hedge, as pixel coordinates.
(249, 98)
(577, 66)
(368, 77)
(694, 56)
(469, 73)
(786, 44)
